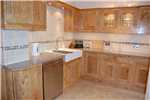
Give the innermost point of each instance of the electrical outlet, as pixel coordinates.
(135, 46)
(107, 43)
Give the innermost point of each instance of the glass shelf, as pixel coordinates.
(109, 20)
(128, 20)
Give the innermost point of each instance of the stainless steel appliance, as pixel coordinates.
(78, 44)
(53, 79)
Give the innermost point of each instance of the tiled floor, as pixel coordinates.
(91, 90)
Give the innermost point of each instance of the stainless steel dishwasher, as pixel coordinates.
(52, 79)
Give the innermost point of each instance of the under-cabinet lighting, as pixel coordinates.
(50, 3)
(62, 7)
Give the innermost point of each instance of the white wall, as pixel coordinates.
(83, 4)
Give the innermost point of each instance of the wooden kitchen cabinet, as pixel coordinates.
(27, 83)
(39, 16)
(16, 15)
(129, 20)
(109, 67)
(3, 84)
(72, 73)
(125, 70)
(141, 72)
(144, 20)
(109, 20)
(89, 20)
(92, 65)
(71, 20)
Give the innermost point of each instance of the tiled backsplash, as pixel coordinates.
(55, 28)
(119, 42)
(15, 46)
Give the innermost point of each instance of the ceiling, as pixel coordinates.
(83, 4)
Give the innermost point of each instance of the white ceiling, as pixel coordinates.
(83, 4)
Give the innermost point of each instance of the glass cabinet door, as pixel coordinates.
(109, 19)
(129, 19)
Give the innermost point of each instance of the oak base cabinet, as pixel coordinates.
(72, 73)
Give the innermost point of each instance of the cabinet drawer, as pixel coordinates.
(125, 59)
(109, 57)
(144, 61)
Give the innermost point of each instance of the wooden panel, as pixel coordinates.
(110, 57)
(141, 75)
(28, 83)
(9, 85)
(98, 44)
(144, 61)
(125, 73)
(3, 85)
(144, 20)
(77, 66)
(92, 64)
(89, 20)
(129, 20)
(109, 70)
(125, 59)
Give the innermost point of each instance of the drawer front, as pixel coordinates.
(109, 57)
(125, 59)
(144, 61)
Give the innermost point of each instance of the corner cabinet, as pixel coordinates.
(24, 83)
(39, 16)
(144, 20)
(89, 20)
(72, 73)
(16, 15)
(71, 20)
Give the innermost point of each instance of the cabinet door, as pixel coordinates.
(19, 12)
(109, 70)
(39, 13)
(129, 20)
(89, 20)
(92, 67)
(68, 73)
(28, 83)
(2, 85)
(144, 21)
(109, 22)
(141, 75)
(76, 68)
(125, 73)
(71, 20)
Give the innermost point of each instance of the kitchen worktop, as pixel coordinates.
(44, 57)
(146, 55)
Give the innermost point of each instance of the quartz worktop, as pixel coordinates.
(146, 55)
(34, 60)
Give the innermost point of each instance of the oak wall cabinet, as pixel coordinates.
(129, 20)
(24, 83)
(144, 20)
(39, 16)
(16, 15)
(89, 20)
(71, 20)
(72, 73)
(109, 20)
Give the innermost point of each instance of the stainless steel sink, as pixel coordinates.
(63, 52)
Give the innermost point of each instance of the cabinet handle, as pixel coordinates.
(75, 71)
(10, 8)
(118, 72)
(72, 71)
(45, 12)
(16, 89)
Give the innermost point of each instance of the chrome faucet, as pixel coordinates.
(57, 42)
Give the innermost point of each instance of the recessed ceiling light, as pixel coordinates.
(62, 7)
(50, 3)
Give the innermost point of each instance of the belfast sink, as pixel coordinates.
(70, 54)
